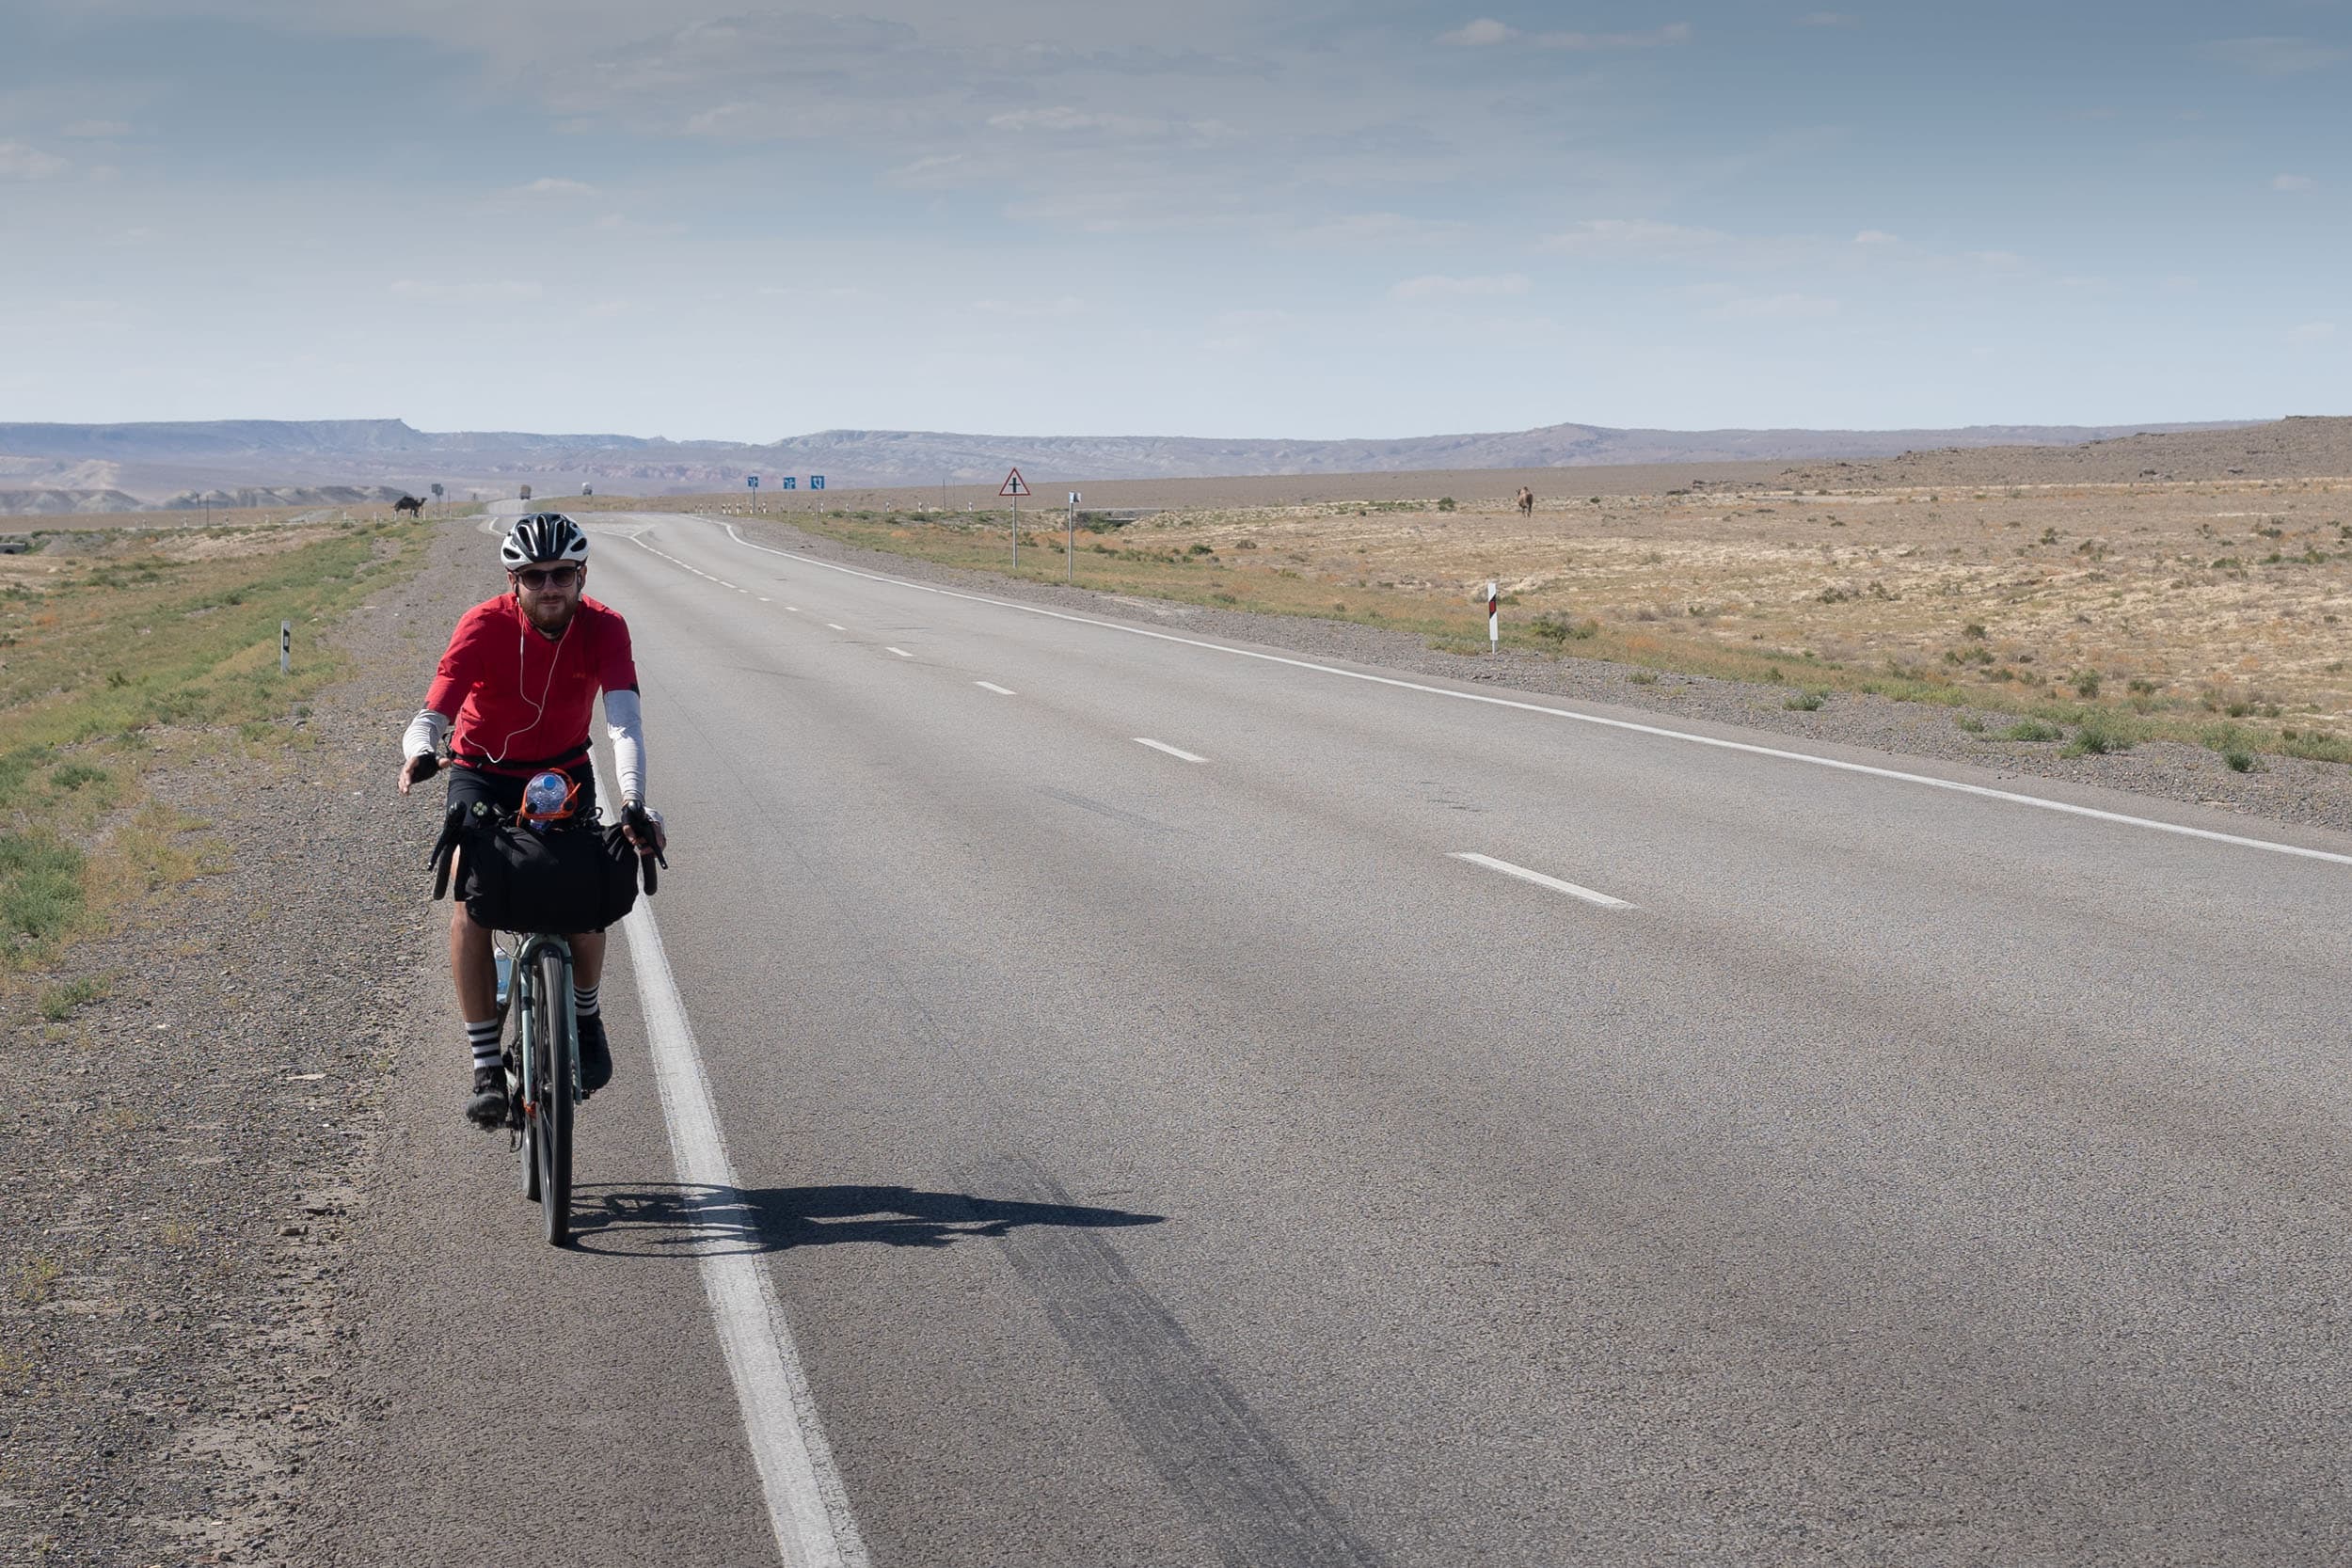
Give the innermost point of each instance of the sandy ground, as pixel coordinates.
(2188, 588)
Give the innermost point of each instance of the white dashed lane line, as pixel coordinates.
(1982, 792)
(991, 686)
(1524, 874)
(835, 625)
(900, 652)
(1164, 746)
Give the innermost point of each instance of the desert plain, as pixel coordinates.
(2166, 582)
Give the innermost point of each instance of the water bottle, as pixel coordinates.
(544, 798)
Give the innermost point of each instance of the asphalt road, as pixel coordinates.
(1158, 1146)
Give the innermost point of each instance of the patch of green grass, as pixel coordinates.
(2313, 746)
(1643, 677)
(58, 1002)
(1558, 625)
(1971, 724)
(2100, 733)
(2031, 729)
(2240, 761)
(40, 888)
(1807, 701)
(185, 643)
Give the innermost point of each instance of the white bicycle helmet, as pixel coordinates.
(542, 536)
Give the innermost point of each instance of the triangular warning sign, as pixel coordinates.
(1014, 485)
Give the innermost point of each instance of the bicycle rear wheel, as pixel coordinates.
(553, 1049)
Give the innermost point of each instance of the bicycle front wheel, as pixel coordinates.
(553, 1049)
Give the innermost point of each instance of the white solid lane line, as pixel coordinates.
(809, 1509)
(900, 652)
(1777, 753)
(1164, 746)
(1538, 878)
(991, 686)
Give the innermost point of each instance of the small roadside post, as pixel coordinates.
(750, 483)
(436, 490)
(1016, 487)
(1073, 538)
(285, 647)
(1494, 620)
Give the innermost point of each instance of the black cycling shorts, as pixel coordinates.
(505, 791)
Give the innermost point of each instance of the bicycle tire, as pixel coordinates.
(554, 1049)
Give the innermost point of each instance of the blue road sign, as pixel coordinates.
(817, 481)
(752, 480)
(789, 482)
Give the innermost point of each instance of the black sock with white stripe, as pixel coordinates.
(584, 1003)
(484, 1039)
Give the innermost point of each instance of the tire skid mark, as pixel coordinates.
(1236, 1480)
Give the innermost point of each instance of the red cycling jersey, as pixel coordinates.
(520, 702)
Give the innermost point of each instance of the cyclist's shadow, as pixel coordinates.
(672, 1219)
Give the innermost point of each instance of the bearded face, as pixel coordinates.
(549, 593)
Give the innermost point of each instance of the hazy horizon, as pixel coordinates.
(745, 223)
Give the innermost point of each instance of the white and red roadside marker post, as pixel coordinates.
(1073, 538)
(1494, 620)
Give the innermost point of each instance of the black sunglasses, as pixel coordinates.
(554, 576)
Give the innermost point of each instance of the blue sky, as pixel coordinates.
(1048, 216)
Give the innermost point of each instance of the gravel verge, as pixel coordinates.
(189, 1156)
(2284, 789)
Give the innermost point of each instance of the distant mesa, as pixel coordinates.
(101, 468)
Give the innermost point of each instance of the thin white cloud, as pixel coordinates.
(98, 129)
(19, 161)
(1876, 236)
(1996, 261)
(477, 292)
(2273, 55)
(1439, 286)
(1236, 332)
(1034, 309)
(1369, 230)
(1634, 236)
(1479, 33)
(1063, 119)
(550, 186)
(2313, 332)
(1784, 307)
(2292, 181)
(1486, 32)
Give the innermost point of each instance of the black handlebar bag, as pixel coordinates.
(562, 880)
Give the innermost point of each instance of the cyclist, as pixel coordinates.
(514, 695)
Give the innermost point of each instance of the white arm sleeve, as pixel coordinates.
(425, 731)
(622, 723)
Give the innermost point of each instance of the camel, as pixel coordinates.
(410, 504)
(1526, 501)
